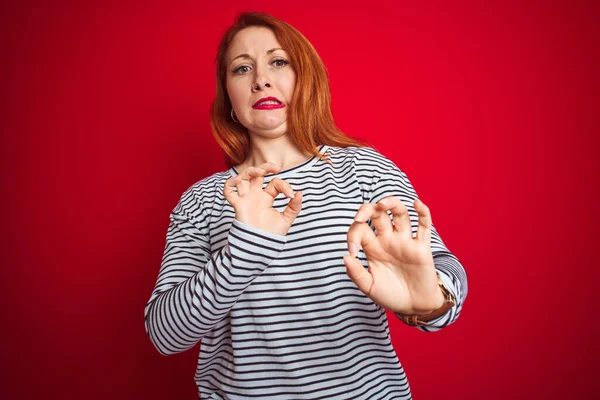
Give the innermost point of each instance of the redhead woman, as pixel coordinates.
(283, 265)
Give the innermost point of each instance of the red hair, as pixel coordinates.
(309, 119)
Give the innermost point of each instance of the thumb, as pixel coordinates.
(359, 275)
(293, 208)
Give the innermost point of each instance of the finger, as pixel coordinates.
(424, 228)
(243, 186)
(255, 176)
(293, 208)
(377, 214)
(229, 190)
(277, 186)
(358, 274)
(364, 212)
(381, 219)
(361, 234)
(270, 167)
(399, 216)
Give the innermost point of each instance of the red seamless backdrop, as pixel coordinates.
(491, 108)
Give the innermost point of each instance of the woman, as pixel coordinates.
(256, 263)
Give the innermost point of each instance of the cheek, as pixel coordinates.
(235, 94)
(289, 84)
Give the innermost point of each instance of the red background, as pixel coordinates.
(491, 108)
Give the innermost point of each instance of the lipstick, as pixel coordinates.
(259, 105)
(268, 106)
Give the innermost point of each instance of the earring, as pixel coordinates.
(233, 116)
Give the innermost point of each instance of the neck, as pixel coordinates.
(279, 151)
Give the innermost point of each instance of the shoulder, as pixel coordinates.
(203, 192)
(354, 153)
(363, 158)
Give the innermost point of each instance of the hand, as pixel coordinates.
(254, 206)
(401, 276)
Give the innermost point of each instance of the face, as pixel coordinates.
(256, 58)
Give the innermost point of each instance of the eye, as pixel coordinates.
(282, 62)
(238, 70)
(279, 63)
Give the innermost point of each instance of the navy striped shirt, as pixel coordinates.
(277, 316)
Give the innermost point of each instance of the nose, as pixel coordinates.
(261, 79)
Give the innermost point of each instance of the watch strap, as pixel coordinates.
(422, 320)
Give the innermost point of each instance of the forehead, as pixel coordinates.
(253, 40)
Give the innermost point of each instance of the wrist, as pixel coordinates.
(423, 317)
(440, 299)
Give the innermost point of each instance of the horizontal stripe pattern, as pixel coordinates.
(389, 180)
(277, 315)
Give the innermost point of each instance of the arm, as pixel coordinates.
(195, 290)
(389, 180)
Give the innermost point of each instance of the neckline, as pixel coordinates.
(292, 170)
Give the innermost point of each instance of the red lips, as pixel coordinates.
(270, 98)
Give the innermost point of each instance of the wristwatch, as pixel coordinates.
(422, 320)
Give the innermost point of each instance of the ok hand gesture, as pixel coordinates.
(401, 276)
(254, 206)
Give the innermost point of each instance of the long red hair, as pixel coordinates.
(309, 119)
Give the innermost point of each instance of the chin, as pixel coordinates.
(277, 126)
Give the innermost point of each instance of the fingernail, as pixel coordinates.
(291, 194)
(353, 249)
(358, 217)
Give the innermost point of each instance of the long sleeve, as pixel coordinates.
(195, 289)
(386, 179)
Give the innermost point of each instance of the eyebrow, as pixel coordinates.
(245, 55)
